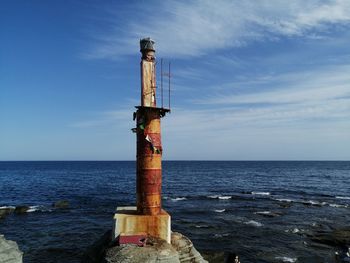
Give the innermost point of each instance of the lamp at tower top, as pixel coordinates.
(147, 48)
(148, 77)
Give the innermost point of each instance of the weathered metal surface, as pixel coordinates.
(153, 125)
(147, 44)
(152, 161)
(150, 182)
(130, 222)
(149, 161)
(149, 143)
(148, 80)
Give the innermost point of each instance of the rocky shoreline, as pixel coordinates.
(23, 209)
(180, 250)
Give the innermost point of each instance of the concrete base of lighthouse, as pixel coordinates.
(128, 223)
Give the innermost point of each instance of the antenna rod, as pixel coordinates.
(169, 85)
(161, 79)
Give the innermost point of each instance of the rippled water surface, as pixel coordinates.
(264, 211)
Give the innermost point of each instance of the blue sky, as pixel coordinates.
(252, 80)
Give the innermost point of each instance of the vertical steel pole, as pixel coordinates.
(169, 84)
(161, 79)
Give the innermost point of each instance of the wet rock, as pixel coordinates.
(220, 257)
(61, 204)
(268, 213)
(214, 256)
(231, 258)
(21, 209)
(285, 204)
(5, 212)
(95, 253)
(311, 203)
(9, 251)
(337, 237)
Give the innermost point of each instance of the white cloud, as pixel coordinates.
(299, 100)
(193, 28)
(313, 85)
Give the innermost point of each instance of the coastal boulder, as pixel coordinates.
(9, 251)
(185, 248)
(21, 209)
(61, 204)
(337, 237)
(95, 253)
(155, 250)
(5, 211)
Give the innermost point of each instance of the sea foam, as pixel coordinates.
(33, 208)
(7, 207)
(260, 193)
(284, 200)
(224, 197)
(178, 199)
(343, 197)
(338, 206)
(221, 197)
(253, 223)
(286, 259)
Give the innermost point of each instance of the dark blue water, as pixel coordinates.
(219, 205)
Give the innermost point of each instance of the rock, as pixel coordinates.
(185, 248)
(268, 213)
(61, 204)
(21, 209)
(220, 257)
(213, 256)
(231, 258)
(95, 253)
(9, 251)
(5, 211)
(285, 204)
(155, 250)
(337, 237)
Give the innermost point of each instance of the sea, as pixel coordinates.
(264, 211)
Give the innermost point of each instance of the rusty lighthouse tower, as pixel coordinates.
(147, 218)
(148, 130)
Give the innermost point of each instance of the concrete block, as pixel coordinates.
(128, 222)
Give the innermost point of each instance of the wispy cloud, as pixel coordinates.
(313, 85)
(194, 28)
(105, 118)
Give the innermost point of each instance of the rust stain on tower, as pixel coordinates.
(149, 143)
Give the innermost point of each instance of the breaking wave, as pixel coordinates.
(286, 259)
(178, 199)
